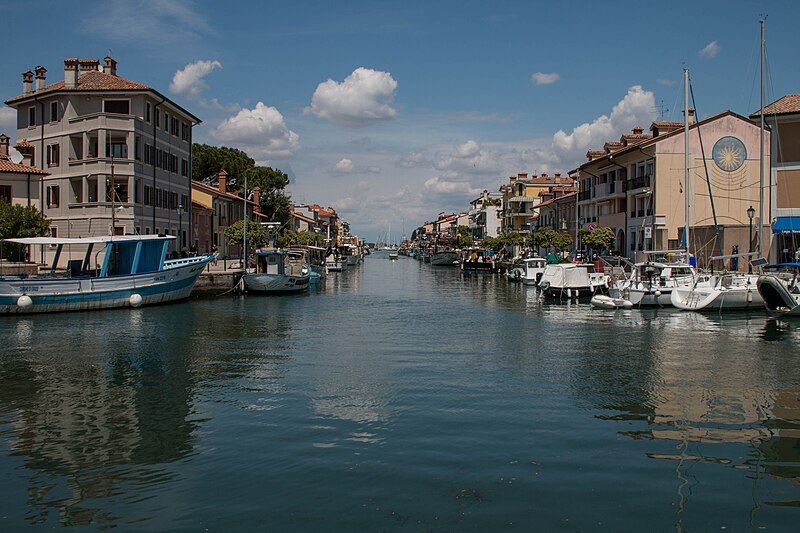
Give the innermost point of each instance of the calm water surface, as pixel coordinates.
(399, 397)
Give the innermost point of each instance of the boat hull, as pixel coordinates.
(275, 283)
(716, 299)
(444, 259)
(777, 297)
(85, 294)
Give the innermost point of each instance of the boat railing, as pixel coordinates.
(174, 263)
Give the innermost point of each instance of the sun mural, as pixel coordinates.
(729, 154)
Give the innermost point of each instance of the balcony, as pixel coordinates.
(584, 195)
(639, 182)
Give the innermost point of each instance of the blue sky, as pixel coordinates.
(445, 104)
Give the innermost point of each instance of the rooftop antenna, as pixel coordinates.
(661, 109)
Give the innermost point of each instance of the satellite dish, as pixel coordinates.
(15, 156)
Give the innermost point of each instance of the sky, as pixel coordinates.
(392, 112)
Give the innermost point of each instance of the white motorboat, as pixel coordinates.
(393, 254)
(132, 272)
(278, 272)
(334, 263)
(533, 270)
(781, 292)
(651, 283)
(719, 292)
(568, 280)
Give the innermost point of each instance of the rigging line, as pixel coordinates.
(752, 63)
(705, 163)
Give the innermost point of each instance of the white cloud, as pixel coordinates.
(364, 97)
(666, 82)
(148, 22)
(637, 107)
(261, 132)
(346, 166)
(439, 185)
(189, 80)
(473, 159)
(8, 121)
(710, 50)
(542, 78)
(347, 204)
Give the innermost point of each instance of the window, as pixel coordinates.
(147, 231)
(31, 116)
(148, 195)
(184, 168)
(54, 235)
(173, 128)
(118, 149)
(137, 147)
(184, 131)
(53, 111)
(147, 112)
(91, 193)
(158, 118)
(166, 121)
(5, 193)
(136, 195)
(77, 189)
(122, 107)
(53, 155)
(53, 195)
(120, 191)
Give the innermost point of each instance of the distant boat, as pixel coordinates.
(444, 258)
(278, 272)
(474, 260)
(393, 254)
(134, 272)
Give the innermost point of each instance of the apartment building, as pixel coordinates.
(636, 186)
(484, 215)
(118, 152)
(783, 119)
(521, 196)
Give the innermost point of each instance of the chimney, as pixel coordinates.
(41, 74)
(692, 118)
(3, 144)
(27, 82)
(86, 65)
(71, 72)
(257, 198)
(222, 178)
(110, 65)
(558, 177)
(637, 130)
(543, 175)
(513, 178)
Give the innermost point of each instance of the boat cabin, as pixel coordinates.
(281, 263)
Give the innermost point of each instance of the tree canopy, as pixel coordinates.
(301, 238)
(207, 160)
(256, 233)
(18, 221)
(464, 237)
(549, 238)
(598, 238)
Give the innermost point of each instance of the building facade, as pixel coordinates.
(635, 186)
(520, 198)
(118, 152)
(485, 215)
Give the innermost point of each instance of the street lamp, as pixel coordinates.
(750, 214)
(180, 225)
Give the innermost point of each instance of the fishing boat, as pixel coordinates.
(444, 257)
(568, 280)
(132, 272)
(780, 290)
(475, 260)
(278, 272)
(533, 270)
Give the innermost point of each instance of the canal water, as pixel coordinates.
(399, 397)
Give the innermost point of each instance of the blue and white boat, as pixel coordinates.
(278, 272)
(132, 271)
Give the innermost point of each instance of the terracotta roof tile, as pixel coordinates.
(92, 80)
(784, 105)
(14, 168)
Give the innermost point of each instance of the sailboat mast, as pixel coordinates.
(244, 237)
(761, 150)
(686, 188)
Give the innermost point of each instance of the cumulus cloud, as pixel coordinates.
(364, 97)
(637, 107)
(346, 166)
(440, 185)
(710, 50)
(189, 80)
(8, 120)
(542, 78)
(473, 159)
(261, 131)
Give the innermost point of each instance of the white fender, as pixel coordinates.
(135, 300)
(24, 301)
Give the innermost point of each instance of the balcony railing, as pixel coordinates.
(584, 195)
(639, 182)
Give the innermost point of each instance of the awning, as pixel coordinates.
(786, 225)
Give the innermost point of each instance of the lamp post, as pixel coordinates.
(180, 226)
(750, 214)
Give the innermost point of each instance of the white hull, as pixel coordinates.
(275, 283)
(780, 297)
(718, 297)
(49, 295)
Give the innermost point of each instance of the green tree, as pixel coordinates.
(598, 238)
(295, 238)
(464, 237)
(17, 221)
(256, 233)
(207, 160)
